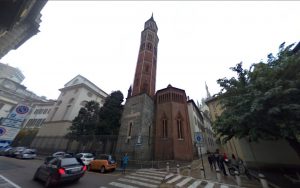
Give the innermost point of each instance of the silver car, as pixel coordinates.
(27, 154)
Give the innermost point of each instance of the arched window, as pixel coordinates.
(65, 116)
(165, 128)
(179, 129)
(149, 46)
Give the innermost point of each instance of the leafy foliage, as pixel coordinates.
(264, 101)
(110, 114)
(85, 123)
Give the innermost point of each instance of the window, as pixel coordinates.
(89, 94)
(45, 111)
(150, 37)
(129, 130)
(165, 128)
(66, 112)
(149, 46)
(179, 129)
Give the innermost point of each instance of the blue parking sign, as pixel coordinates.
(198, 137)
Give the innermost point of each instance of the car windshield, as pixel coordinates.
(88, 155)
(29, 151)
(69, 161)
(111, 158)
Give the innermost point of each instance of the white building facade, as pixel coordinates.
(75, 94)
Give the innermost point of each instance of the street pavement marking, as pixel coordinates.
(195, 184)
(209, 185)
(143, 179)
(168, 176)
(148, 173)
(224, 186)
(185, 181)
(154, 171)
(10, 182)
(174, 179)
(137, 183)
(147, 176)
(121, 185)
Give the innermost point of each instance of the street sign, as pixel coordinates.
(198, 137)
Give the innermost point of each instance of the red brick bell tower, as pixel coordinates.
(145, 72)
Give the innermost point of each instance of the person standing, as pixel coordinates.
(125, 162)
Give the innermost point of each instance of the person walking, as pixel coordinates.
(209, 158)
(220, 162)
(124, 163)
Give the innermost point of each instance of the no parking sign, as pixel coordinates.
(198, 137)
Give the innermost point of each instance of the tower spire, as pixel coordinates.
(207, 92)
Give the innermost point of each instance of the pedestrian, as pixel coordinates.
(124, 162)
(209, 158)
(220, 162)
(233, 156)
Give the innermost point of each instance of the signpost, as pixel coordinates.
(10, 126)
(199, 140)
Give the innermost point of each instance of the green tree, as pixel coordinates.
(263, 103)
(85, 123)
(110, 114)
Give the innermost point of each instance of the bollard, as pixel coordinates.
(202, 172)
(168, 167)
(263, 181)
(219, 175)
(238, 178)
(189, 170)
(178, 170)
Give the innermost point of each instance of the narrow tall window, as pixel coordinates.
(179, 129)
(165, 128)
(66, 114)
(149, 135)
(129, 130)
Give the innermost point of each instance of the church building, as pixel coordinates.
(154, 125)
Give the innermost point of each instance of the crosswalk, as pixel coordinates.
(141, 178)
(151, 178)
(179, 181)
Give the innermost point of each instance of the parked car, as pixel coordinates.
(85, 157)
(104, 163)
(4, 150)
(56, 170)
(15, 151)
(27, 154)
(62, 154)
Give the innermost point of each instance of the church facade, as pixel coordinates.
(154, 125)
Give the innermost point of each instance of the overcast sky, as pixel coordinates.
(199, 41)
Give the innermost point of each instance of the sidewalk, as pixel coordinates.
(211, 175)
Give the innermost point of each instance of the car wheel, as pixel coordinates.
(48, 182)
(232, 171)
(102, 169)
